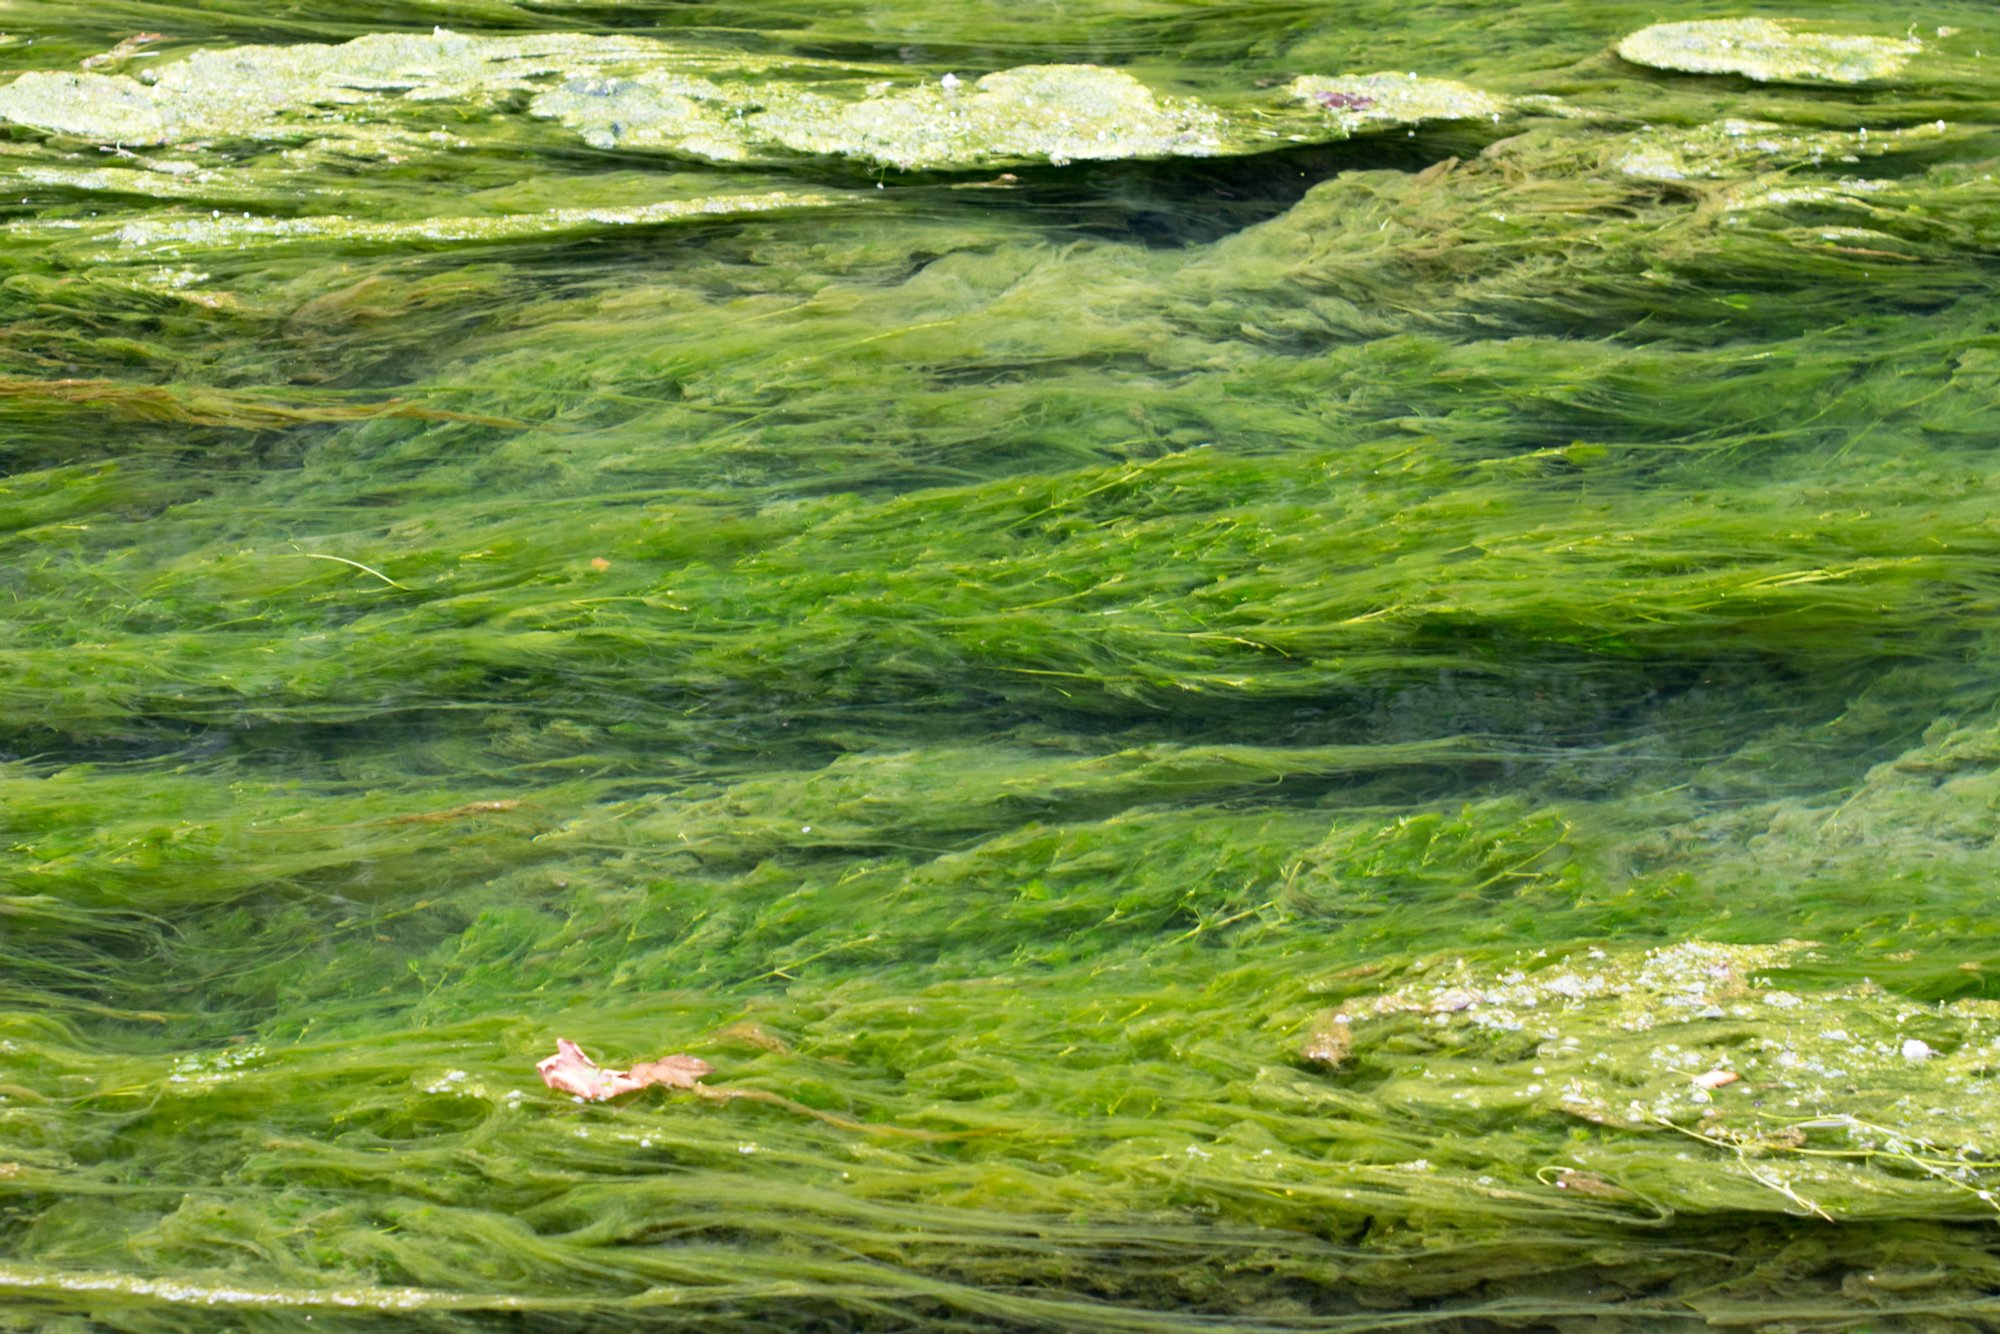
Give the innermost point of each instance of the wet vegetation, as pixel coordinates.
(1238, 667)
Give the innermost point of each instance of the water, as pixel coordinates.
(1224, 742)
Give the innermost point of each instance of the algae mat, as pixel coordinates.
(1226, 667)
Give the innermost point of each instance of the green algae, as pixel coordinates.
(986, 663)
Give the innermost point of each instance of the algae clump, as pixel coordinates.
(1047, 113)
(1841, 1103)
(1769, 51)
(1043, 113)
(266, 91)
(1369, 101)
(398, 93)
(1051, 114)
(1733, 148)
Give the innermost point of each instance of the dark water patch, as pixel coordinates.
(1194, 201)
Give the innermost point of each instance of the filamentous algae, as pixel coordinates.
(1229, 667)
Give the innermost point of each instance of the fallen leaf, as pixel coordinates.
(570, 1071)
(599, 564)
(1715, 1079)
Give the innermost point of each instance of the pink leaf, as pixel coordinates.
(570, 1071)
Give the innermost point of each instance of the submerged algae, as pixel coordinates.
(966, 671)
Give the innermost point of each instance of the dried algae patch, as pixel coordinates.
(1842, 1103)
(658, 109)
(1357, 102)
(257, 92)
(1768, 50)
(1052, 114)
(1036, 113)
(1734, 148)
(1039, 113)
(402, 93)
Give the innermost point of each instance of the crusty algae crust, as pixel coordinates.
(1040, 113)
(1051, 113)
(262, 92)
(1768, 51)
(1359, 102)
(658, 109)
(1730, 148)
(640, 94)
(1843, 1102)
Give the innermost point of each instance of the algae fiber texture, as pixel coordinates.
(1130, 666)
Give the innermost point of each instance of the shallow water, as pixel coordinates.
(1237, 740)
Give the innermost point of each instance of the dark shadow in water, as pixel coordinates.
(1195, 201)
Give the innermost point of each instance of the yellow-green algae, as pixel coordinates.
(1010, 670)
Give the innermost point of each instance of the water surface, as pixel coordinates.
(1232, 740)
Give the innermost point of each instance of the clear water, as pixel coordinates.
(1216, 743)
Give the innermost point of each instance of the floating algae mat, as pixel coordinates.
(1131, 666)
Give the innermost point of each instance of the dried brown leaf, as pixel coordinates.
(571, 1071)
